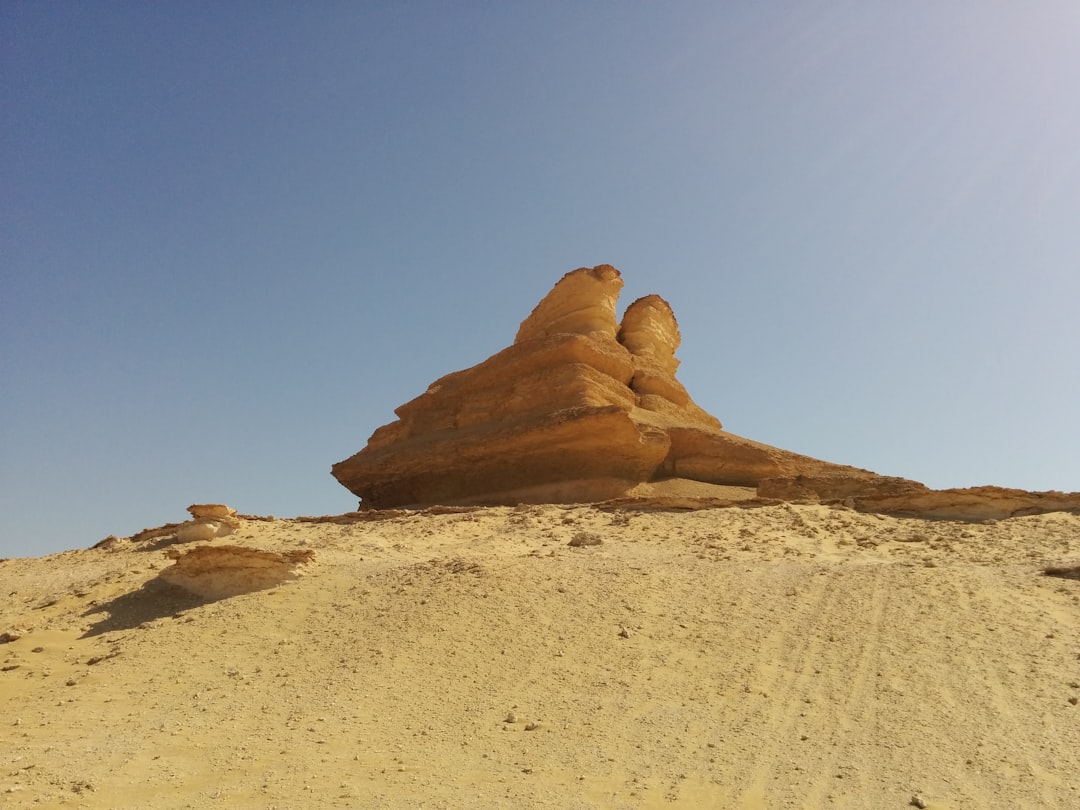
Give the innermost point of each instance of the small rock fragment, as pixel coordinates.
(918, 801)
(211, 510)
(112, 543)
(585, 539)
(209, 520)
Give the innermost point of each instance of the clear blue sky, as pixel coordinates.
(236, 235)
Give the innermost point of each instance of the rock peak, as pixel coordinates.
(650, 332)
(581, 303)
(579, 408)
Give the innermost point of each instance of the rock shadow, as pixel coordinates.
(154, 600)
(1063, 571)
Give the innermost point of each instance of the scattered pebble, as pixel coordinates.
(532, 726)
(912, 538)
(510, 718)
(918, 801)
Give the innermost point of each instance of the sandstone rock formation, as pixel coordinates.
(216, 572)
(970, 503)
(212, 511)
(580, 408)
(210, 520)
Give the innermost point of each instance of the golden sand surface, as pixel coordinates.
(770, 657)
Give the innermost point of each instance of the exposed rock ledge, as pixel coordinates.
(209, 520)
(216, 572)
(585, 408)
(973, 503)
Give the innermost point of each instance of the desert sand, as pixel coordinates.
(773, 656)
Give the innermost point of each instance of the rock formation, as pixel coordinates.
(210, 520)
(970, 503)
(216, 572)
(580, 408)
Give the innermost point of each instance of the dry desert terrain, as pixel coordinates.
(781, 656)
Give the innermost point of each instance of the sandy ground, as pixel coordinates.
(773, 657)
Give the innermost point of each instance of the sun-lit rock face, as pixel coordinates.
(209, 520)
(650, 333)
(582, 303)
(217, 572)
(213, 511)
(580, 408)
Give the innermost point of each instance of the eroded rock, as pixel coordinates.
(218, 511)
(837, 487)
(209, 520)
(970, 503)
(580, 408)
(216, 572)
(582, 303)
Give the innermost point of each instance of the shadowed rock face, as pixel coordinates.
(580, 408)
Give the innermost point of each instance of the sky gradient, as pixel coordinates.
(235, 236)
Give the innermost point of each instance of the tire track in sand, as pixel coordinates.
(819, 674)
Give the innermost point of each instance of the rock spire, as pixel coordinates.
(580, 408)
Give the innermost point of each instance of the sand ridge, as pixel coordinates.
(777, 656)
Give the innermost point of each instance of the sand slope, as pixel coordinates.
(780, 656)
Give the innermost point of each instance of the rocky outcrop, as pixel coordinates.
(217, 572)
(972, 503)
(580, 408)
(837, 487)
(209, 520)
(582, 303)
(904, 498)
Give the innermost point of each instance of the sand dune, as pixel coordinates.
(779, 656)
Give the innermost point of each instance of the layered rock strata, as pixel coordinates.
(209, 520)
(970, 503)
(580, 408)
(217, 572)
